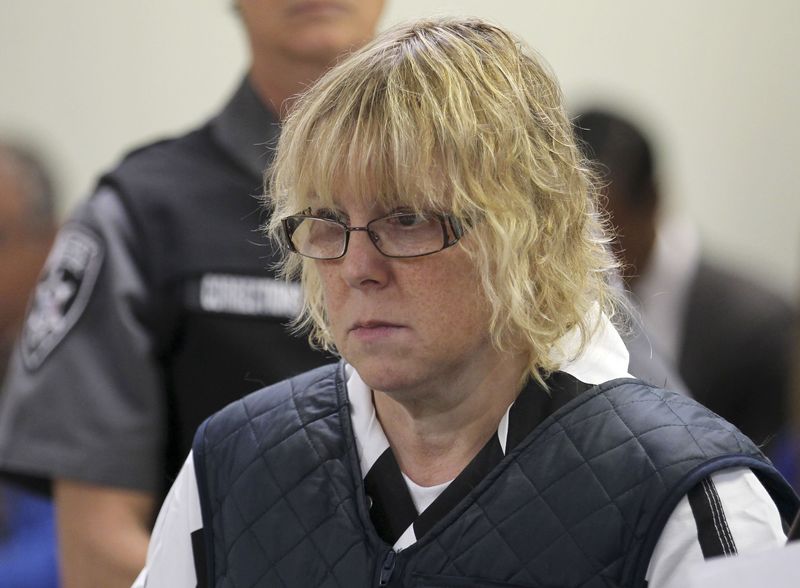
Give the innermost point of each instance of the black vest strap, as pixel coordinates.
(392, 510)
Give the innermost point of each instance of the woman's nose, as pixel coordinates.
(363, 265)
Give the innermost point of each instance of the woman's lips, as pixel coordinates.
(375, 330)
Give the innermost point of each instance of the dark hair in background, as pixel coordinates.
(623, 152)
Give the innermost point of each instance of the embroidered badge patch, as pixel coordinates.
(61, 295)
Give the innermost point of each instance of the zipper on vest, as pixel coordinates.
(387, 568)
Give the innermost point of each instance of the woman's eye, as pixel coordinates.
(409, 219)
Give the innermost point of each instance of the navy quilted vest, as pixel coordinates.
(580, 502)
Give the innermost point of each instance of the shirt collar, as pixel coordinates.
(604, 358)
(247, 129)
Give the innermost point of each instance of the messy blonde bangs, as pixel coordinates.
(456, 116)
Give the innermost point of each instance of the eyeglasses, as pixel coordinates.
(400, 234)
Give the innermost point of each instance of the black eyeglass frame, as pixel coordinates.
(449, 238)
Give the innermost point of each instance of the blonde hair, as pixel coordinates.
(457, 116)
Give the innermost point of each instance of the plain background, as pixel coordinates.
(715, 82)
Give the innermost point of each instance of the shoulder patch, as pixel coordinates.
(62, 293)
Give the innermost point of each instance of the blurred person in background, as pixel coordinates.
(157, 307)
(27, 227)
(728, 336)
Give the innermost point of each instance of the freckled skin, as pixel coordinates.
(435, 300)
(439, 385)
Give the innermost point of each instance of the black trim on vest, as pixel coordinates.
(391, 508)
(713, 532)
(535, 403)
(201, 473)
(465, 482)
(200, 558)
(783, 495)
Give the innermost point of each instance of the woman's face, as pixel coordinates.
(405, 324)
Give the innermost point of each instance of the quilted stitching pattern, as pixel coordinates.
(299, 501)
(569, 507)
(575, 515)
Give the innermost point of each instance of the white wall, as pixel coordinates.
(717, 81)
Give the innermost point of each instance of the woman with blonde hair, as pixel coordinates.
(481, 428)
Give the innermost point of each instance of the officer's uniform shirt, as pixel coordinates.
(86, 395)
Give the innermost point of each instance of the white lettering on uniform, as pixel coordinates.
(248, 295)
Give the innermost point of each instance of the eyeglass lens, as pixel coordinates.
(398, 235)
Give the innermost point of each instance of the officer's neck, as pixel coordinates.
(279, 82)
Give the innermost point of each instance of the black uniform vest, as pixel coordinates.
(580, 502)
(196, 216)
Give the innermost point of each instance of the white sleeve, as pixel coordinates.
(170, 557)
(745, 519)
